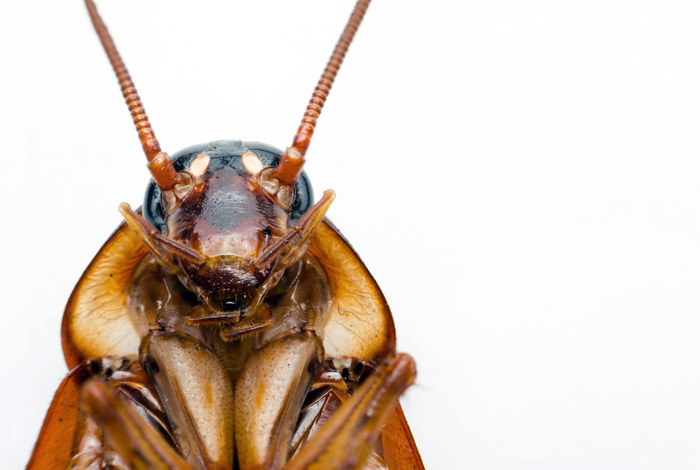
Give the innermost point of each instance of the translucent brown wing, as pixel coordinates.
(52, 450)
(96, 322)
(361, 324)
(396, 443)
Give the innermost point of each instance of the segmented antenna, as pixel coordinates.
(161, 168)
(292, 161)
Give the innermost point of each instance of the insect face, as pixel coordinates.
(227, 218)
(228, 225)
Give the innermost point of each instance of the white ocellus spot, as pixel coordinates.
(252, 163)
(199, 165)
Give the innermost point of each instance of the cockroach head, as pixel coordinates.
(227, 222)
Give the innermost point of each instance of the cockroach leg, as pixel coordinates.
(319, 406)
(145, 232)
(291, 247)
(269, 399)
(332, 387)
(198, 397)
(314, 416)
(150, 236)
(348, 437)
(263, 319)
(90, 449)
(202, 315)
(136, 444)
(118, 399)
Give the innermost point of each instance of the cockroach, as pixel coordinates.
(227, 323)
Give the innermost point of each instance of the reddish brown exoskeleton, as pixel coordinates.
(228, 324)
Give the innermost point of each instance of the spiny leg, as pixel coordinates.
(332, 387)
(316, 412)
(347, 440)
(73, 436)
(138, 445)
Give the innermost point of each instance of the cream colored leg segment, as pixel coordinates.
(264, 422)
(348, 438)
(197, 394)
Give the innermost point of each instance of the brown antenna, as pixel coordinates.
(292, 161)
(159, 163)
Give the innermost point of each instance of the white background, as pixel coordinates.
(522, 178)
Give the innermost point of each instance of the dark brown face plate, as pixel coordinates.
(230, 220)
(224, 214)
